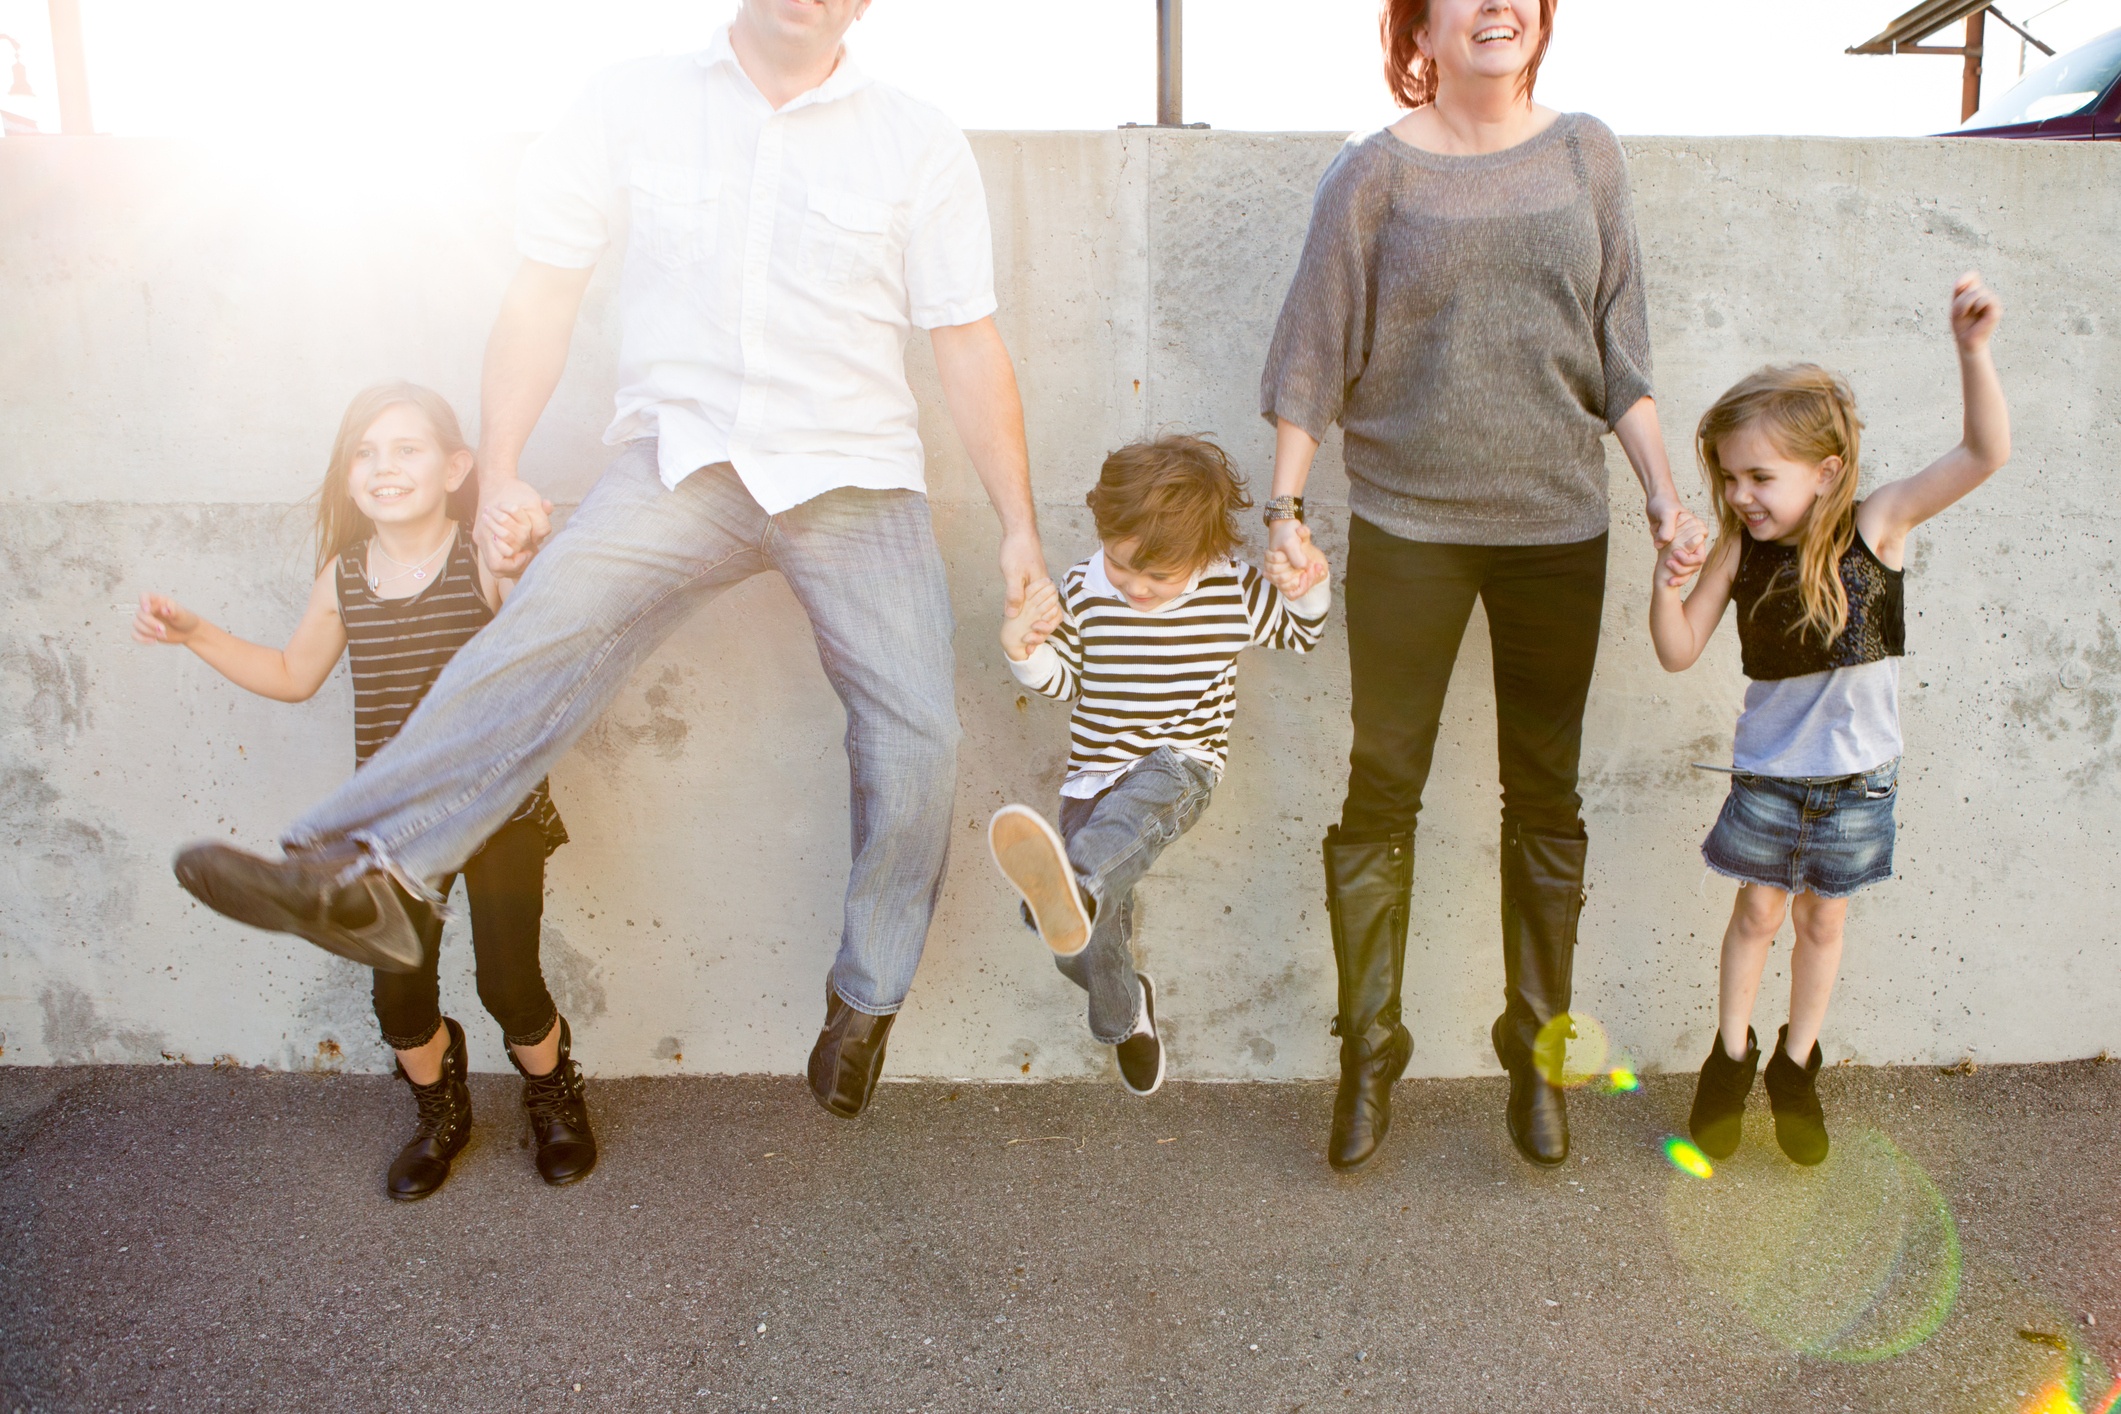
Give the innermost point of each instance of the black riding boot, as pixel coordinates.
(422, 1166)
(1368, 881)
(559, 1115)
(1542, 897)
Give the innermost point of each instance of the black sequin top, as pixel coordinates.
(1771, 635)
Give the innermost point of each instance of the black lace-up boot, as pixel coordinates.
(1368, 881)
(1542, 899)
(422, 1166)
(1718, 1119)
(559, 1116)
(1793, 1094)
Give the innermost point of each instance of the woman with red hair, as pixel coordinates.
(1469, 307)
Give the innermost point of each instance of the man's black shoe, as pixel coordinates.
(334, 898)
(848, 1057)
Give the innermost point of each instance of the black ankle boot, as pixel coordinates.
(1542, 898)
(422, 1166)
(848, 1056)
(1793, 1094)
(1718, 1119)
(559, 1116)
(1368, 882)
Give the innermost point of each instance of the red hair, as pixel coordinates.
(1411, 77)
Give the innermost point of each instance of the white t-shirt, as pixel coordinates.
(777, 263)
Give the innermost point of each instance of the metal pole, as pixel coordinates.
(71, 61)
(1170, 65)
(1970, 87)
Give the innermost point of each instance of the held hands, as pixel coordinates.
(1295, 566)
(161, 619)
(1682, 558)
(1289, 542)
(1682, 541)
(514, 520)
(1033, 622)
(1975, 313)
(1023, 563)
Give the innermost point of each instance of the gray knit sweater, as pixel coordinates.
(1475, 324)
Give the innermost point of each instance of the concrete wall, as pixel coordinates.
(179, 337)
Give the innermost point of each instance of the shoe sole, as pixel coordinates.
(1034, 859)
(1149, 1003)
(200, 868)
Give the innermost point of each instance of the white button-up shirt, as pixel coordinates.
(777, 263)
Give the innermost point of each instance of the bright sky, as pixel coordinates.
(349, 69)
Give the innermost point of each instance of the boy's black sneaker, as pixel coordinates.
(1141, 1056)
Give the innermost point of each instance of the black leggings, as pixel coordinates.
(1408, 604)
(506, 884)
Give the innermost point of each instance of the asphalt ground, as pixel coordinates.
(183, 1239)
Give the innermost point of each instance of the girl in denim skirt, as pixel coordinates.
(1817, 577)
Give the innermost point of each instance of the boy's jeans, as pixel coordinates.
(1113, 838)
(634, 561)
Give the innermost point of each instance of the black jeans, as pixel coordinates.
(1407, 603)
(506, 884)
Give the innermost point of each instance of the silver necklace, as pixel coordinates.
(416, 572)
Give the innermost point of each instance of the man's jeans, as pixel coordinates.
(636, 560)
(1113, 838)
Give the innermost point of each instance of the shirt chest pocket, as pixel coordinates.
(673, 212)
(846, 238)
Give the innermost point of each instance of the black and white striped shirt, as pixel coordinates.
(1167, 677)
(398, 647)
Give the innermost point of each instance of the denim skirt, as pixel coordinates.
(1826, 837)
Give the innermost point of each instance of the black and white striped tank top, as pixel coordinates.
(398, 647)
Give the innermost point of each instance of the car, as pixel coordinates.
(2075, 97)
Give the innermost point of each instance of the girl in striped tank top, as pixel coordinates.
(400, 589)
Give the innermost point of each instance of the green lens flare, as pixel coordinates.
(1622, 1080)
(1857, 1260)
(1571, 1050)
(1688, 1159)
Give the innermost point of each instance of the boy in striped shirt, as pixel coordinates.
(1144, 636)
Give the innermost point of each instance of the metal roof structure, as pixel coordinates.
(1905, 36)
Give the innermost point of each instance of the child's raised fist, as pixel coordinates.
(1034, 623)
(1975, 311)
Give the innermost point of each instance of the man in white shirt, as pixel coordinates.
(792, 222)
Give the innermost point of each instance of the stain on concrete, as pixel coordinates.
(51, 684)
(75, 1033)
(67, 873)
(2073, 693)
(1934, 220)
(663, 731)
(573, 978)
(670, 1048)
(340, 1015)
(1021, 1055)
